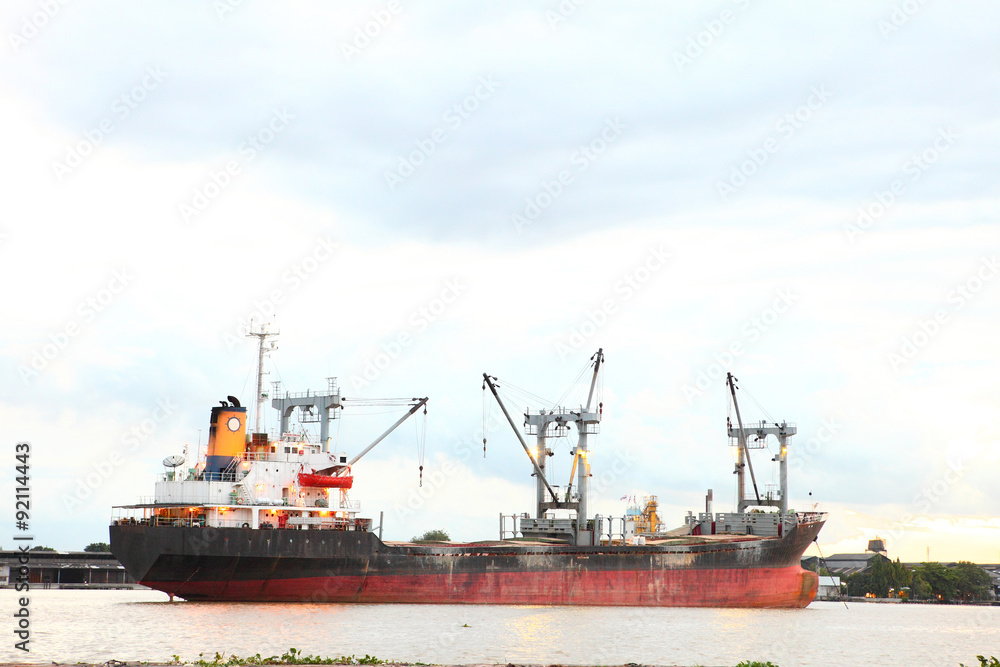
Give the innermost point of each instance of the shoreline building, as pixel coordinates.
(66, 569)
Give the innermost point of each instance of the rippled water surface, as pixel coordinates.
(96, 626)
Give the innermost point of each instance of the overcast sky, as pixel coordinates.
(418, 192)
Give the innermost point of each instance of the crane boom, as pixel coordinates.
(743, 439)
(538, 471)
(416, 406)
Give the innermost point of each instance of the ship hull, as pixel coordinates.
(234, 564)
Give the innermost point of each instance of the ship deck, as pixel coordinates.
(673, 540)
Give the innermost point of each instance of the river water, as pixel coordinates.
(96, 626)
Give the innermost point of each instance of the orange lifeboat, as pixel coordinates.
(325, 481)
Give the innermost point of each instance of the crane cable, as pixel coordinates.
(487, 416)
(420, 427)
(827, 567)
(574, 384)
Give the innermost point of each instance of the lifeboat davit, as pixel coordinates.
(325, 481)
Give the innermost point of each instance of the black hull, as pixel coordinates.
(355, 566)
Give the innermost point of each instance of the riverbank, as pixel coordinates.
(116, 663)
(991, 603)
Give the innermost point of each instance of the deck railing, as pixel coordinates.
(311, 523)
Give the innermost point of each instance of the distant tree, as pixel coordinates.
(940, 579)
(881, 576)
(859, 584)
(432, 536)
(97, 547)
(972, 582)
(41, 548)
(899, 576)
(919, 588)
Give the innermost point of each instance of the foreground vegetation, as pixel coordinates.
(290, 657)
(983, 662)
(295, 657)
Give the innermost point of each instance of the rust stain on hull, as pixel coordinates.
(232, 564)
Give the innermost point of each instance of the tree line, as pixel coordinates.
(962, 582)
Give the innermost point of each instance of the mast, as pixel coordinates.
(550, 423)
(743, 452)
(783, 465)
(261, 335)
(599, 356)
(583, 427)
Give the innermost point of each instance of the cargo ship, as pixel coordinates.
(262, 518)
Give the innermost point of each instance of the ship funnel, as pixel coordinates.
(226, 436)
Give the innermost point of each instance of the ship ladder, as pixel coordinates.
(230, 470)
(246, 495)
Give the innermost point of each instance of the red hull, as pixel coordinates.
(787, 587)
